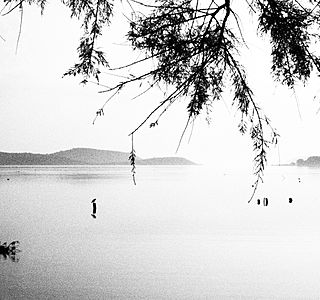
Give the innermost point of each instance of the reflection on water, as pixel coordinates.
(180, 233)
(9, 251)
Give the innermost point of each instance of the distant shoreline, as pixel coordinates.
(85, 157)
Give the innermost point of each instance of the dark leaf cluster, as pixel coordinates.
(289, 26)
(95, 15)
(194, 50)
(132, 160)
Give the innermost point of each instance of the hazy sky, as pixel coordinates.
(42, 112)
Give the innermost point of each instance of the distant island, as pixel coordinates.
(312, 161)
(85, 156)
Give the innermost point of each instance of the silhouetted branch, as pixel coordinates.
(100, 111)
(183, 132)
(132, 159)
(192, 48)
(172, 97)
(145, 91)
(251, 6)
(12, 9)
(20, 26)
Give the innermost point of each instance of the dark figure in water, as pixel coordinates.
(290, 200)
(9, 251)
(94, 208)
(265, 201)
(258, 201)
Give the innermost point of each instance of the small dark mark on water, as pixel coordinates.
(9, 251)
(265, 201)
(94, 208)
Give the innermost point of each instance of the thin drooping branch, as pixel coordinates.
(183, 133)
(172, 97)
(251, 6)
(97, 15)
(301, 6)
(20, 26)
(4, 7)
(136, 62)
(313, 9)
(257, 130)
(146, 90)
(126, 82)
(100, 111)
(132, 159)
(192, 48)
(12, 9)
(95, 32)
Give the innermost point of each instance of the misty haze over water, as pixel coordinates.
(183, 232)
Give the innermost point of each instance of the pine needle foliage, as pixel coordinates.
(95, 15)
(194, 47)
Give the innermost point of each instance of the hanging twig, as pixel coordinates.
(183, 132)
(100, 110)
(132, 159)
(20, 27)
(18, 5)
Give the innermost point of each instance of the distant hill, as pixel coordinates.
(165, 161)
(33, 159)
(84, 156)
(312, 161)
(89, 156)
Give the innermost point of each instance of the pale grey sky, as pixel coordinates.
(42, 112)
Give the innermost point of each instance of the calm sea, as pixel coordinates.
(183, 232)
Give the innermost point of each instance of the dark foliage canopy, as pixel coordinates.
(194, 46)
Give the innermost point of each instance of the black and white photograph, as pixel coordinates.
(160, 149)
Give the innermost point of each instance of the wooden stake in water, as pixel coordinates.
(94, 208)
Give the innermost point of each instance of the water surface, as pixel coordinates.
(180, 233)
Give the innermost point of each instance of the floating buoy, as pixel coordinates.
(94, 208)
(290, 200)
(265, 201)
